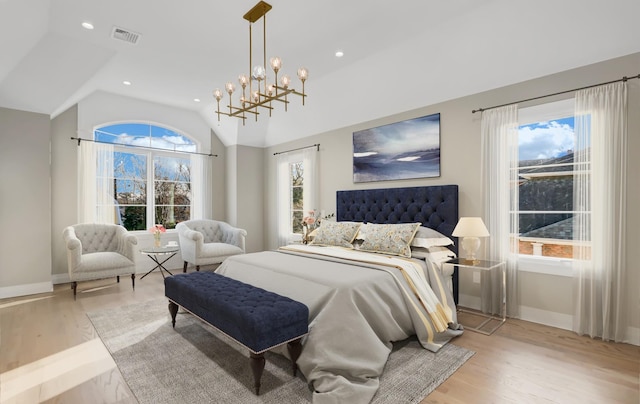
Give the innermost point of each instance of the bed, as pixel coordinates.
(360, 302)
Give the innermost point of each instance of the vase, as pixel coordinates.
(156, 240)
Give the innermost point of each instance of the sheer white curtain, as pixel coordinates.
(499, 143)
(309, 159)
(310, 192)
(599, 259)
(96, 203)
(201, 187)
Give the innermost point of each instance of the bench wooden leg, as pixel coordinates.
(295, 349)
(173, 310)
(184, 267)
(257, 366)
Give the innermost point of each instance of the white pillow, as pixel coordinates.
(436, 254)
(427, 237)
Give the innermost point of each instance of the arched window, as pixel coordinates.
(144, 175)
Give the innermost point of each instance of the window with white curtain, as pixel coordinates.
(546, 168)
(149, 183)
(297, 184)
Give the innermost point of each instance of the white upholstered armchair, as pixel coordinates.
(97, 251)
(206, 242)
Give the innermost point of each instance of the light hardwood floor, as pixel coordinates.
(49, 352)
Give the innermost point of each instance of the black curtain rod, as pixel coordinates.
(625, 78)
(79, 139)
(317, 146)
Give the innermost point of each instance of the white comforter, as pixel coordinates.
(359, 303)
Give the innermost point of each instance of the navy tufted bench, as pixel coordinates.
(255, 318)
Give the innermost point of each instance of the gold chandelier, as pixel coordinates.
(261, 94)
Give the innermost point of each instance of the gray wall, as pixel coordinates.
(25, 204)
(245, 188)
(543, 298)
(64, 194)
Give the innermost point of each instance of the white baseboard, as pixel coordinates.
(633, 336)
(26, 289)
(550, 318)
(545, 317)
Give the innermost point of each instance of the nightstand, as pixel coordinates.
(489, 323)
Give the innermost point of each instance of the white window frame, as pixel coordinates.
(540, 113)
(150, 154)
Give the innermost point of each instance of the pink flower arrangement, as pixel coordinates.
(157, 229)
(309, 220)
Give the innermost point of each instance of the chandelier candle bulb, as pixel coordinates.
(265, 94)
(285, 81)
(276, 64)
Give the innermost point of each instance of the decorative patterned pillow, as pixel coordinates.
(393, 239)
(427, 237)
(339, 234)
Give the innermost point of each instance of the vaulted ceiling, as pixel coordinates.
(397, 55)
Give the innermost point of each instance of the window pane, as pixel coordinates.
(546, 168)
(145, 135)
(545, 152)
(124, 133)
(297, 174)
(130, 177)
(134, 217)
(546, 225)
(169, 216)
(172, 168)
(163, 138)
(548, 193)
(296, 222)
(297, 202)
(172, 190)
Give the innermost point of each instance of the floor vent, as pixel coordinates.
(125, 35)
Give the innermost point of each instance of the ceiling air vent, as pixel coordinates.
(125, 35)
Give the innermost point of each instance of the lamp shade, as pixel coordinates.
(470, 227)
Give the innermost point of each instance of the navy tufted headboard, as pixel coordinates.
(435, 207)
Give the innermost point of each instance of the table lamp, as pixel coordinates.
(470, 229)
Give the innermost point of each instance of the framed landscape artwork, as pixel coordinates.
(398, 151)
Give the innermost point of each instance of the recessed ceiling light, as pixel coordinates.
(126, 83)
(339, 54)
(87, 25)
(196, 99)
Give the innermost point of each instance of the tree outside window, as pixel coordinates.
(297, 197)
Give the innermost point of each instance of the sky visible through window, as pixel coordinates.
(144, 135)
(131, 166)
(545, 140)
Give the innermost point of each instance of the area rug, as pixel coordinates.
(194, 363)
